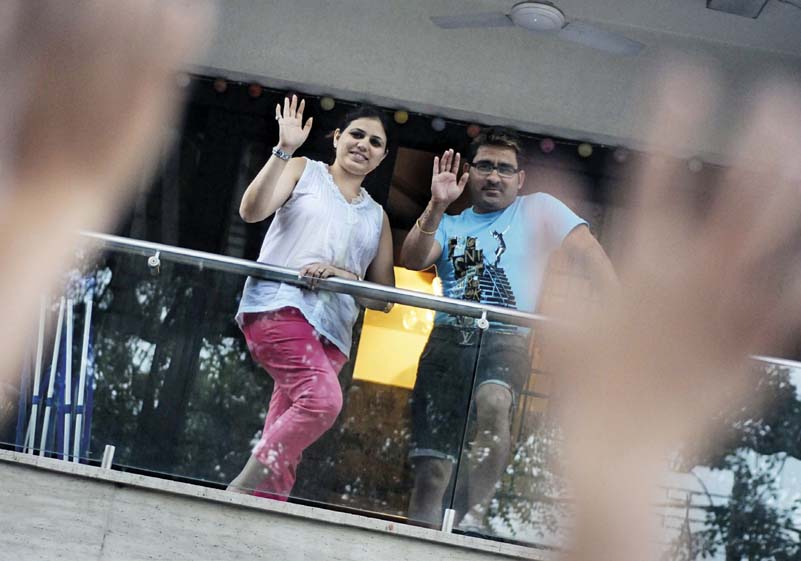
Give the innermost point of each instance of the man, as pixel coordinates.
(495, 252)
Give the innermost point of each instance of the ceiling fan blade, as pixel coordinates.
(487, 19)
(597, 38)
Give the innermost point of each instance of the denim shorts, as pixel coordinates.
(455, 362)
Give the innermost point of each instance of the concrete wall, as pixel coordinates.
(389, 52)
(51, 509)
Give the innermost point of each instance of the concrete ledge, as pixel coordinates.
(50, 509)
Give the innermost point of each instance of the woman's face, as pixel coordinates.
(361, 146)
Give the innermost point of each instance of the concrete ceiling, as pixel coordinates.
(777, 29)
(388, 52)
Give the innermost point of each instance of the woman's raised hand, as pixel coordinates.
(292, 133)
(445, 186)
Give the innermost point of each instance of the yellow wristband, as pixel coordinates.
(431, 233)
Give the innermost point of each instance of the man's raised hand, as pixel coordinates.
(445, 185)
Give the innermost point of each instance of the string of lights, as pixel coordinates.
(546, 144)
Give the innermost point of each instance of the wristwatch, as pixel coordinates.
(281, 154)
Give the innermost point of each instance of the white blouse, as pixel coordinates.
(317, 224)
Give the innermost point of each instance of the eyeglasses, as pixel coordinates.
(485, 167)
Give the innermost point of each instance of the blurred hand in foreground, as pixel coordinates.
(88, 86)
(700, 291)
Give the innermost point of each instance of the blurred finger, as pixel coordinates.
(455, 167)
(293, 106)
(135, 45)
(784, 322)
(683, 97)
(759, 202)
(300, 109)
(77, 137)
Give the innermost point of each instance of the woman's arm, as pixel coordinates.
(270, 188)
(382, 269)
(274, 183)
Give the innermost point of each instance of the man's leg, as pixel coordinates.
(487, 456)
(439, 404)
(431, 479)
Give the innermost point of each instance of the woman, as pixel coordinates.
(325, 225)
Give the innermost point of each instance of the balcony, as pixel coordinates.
(53, 509)
(155, 405)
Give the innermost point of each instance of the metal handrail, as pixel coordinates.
(363, 289)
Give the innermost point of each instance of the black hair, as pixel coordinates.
(500, 137)
(367, 112)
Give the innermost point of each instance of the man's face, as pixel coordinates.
(494, 180)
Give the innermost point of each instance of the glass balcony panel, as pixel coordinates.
(507, 486)
(750, 473)
(168, 381)
(171, 385)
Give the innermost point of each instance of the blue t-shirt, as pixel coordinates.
(499, 258)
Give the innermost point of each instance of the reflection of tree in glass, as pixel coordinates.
(225, 411)
(759, 520)
(175, 390)
(531, 491)
(362, 461)
(754, 524)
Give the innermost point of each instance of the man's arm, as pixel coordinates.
(420, 248)
(581, 248)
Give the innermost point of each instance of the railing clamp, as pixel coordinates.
(154, 262)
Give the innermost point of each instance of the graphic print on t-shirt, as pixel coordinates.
(476, 278)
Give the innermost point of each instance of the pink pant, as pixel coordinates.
(306, 397)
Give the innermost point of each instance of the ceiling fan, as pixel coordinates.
(544, 17)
